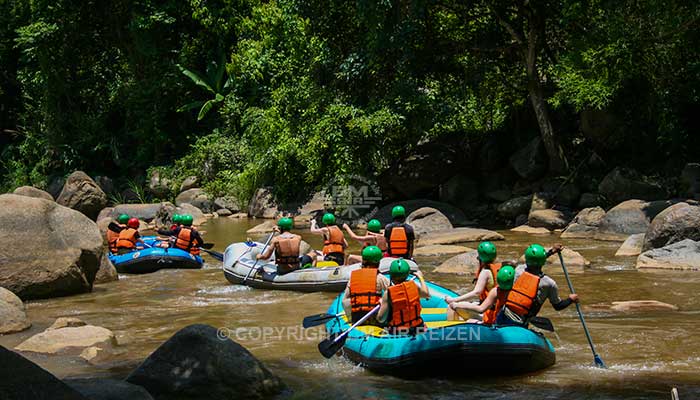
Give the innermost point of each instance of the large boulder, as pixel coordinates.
(589, 200)
(69, 340)
(263, 204)
(678, 222)
(530, 162)
(455, 215)
(683, 255)
(530, 230)
(573, 260)
(55, 251)
(108, 389)
(458, 235)
(198, 361)
(21, 379)
(158, 185)
(541, 201)
(549, 219)
(12, 315)
(585, 224)
(186, 208)
(55, 186)
(107, 271)
(632, 246)
(106, 184)
(690, 181)
(190, 182)
(428, 219)
(228, 203)
(197, 198)
(628, 218)
(461, 264)
(516, 206)
(82, 193)
(262, 228)
(144, 212)
(33, 192)
(439, 250)
(624, 184)
(460, 191)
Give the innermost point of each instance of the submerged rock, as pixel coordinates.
(585, 224)
(428, 219)
(69, 340)
(107, 271)
(549, 219)
(197, 362)
(642, 305)
(628, 218)
(458, 235)
(632, 246)
(55, 251)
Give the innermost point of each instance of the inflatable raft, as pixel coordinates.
(151, 259)
(446, 347)
(239, 262)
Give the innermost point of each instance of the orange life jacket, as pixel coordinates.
(379, 241)
(127, 238)
(287, 251)
(405, 306)
(494, 267)
(112, 238)
(398, 242)
(523, 293)
(489, 316)
(185, 240)
(363, 290)
(334, 243)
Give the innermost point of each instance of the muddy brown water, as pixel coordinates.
(647, 353)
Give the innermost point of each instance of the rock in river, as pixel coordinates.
(428, 219)
(197, 361)
(461, 264)
(632, 246)
(458, 235)
(684, 255)
(437, 250)
(82, 193)
(55, 251)
(12, 315)
(69, 340)
(678, 222)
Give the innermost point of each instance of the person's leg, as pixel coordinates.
(354, 259)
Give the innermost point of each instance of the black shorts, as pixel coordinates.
(337, 257)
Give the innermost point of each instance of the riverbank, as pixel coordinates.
(647, 351)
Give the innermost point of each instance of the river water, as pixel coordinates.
(647, 353)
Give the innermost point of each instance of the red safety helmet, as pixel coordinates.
(133, 223)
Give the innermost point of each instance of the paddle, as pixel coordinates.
(215, 254)
(318, 319)
(329, 347)
(596, 358)
(542, 323)
(269, 238)
(114, 227)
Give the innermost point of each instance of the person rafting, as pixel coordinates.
(113, 234)
(334, 243)
(494, 301)
(400, 306)
(485, 278)
(186, 236)
(286, 247)
(531, 289)
(129, 237)
(373, 237)
(365, 287)
(399, 235)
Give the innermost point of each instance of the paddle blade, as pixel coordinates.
(542, 323)
(315, 320)
(214, 254)
(599, 362)
(114, 227)
(330, 346)
(207, 246)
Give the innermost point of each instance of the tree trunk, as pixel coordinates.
(557, 159)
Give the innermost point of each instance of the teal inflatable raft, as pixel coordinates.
(154, 258)
(446, 347)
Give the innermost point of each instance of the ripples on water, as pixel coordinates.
(647, 353)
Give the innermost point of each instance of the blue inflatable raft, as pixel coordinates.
(446, 347)
(151, 259)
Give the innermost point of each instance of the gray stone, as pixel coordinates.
(632, 246)
(530, 162)
(196, 197)
(263, 204)
(197, 362)
(624, 184)
(461, 264)
(588, 200)
(628, 218)
(678, 222)
(189, 183)
(107, 271)
(12, 316)
(690, 181)
(69, 340)
(105, 183)
(458, 235)
(81, 193)
(33, 192)
(55, 251)
(228, 203)
(428, 219)
(223, 212)
(439, 250)
(455, 215)
(550, 219)
(531, 230)
(683, 255)
(515, 206)
(158, 185)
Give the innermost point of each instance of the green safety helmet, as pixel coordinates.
(186, 220)
(328, 219)
(399, 269)
(398, 211)
(372, 255)
(177, 218)
(374, 225)
(123, 219)
(285, 223)
(505, 277)
(487, 252)
(535, 255)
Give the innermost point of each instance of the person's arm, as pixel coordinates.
(352, 234)
(557, 248)
(268, 251)
(557, 303)
(423, 287)
(347, 307)
(481, 282)
(198, 241)
(384, 305)
(411, 236)
(315, 229)
(479, 308)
